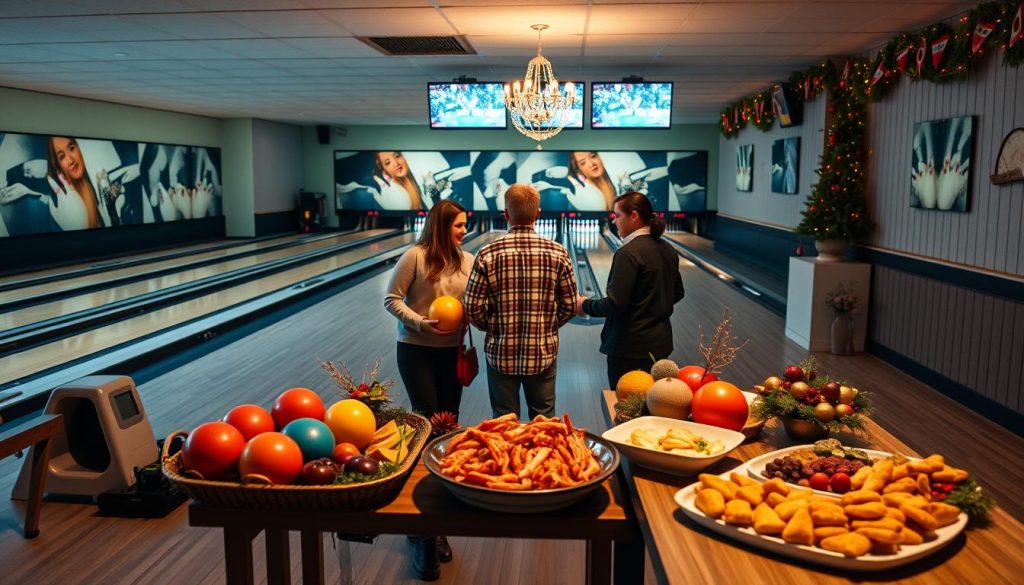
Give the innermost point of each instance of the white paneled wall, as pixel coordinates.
(988, 236)
(761, 205)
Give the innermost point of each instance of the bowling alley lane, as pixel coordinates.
(67, 306)
(43, 357)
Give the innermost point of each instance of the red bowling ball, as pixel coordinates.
(212, 450)
(273, 455)
(297, 403)
(250, 420)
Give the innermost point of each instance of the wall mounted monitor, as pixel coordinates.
(469, 105)
(788, 107)
(645, 104)
(574, 117)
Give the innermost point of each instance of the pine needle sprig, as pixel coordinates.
(722, 349)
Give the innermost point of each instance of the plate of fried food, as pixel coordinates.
(679, 447)
(862, 530)
(505, 465)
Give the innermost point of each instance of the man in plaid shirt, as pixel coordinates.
(521, 290)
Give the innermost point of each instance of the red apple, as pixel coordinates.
(793, 374)
(830, 391)
(695, 377)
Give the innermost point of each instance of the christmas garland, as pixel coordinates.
(939, 54)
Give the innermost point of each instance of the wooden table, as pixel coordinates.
(685, 552)
(426, 507)
(37, 433)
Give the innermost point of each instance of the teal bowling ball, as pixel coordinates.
(315, 439)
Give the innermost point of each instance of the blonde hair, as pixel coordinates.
(522, 202)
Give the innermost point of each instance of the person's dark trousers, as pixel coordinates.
(539, 390)
(617, 366)
(430, 378)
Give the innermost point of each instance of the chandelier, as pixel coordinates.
(539, 110)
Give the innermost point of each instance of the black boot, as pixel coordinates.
(444, 550)
(425, 561)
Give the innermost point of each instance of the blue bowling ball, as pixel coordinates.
(315, 439)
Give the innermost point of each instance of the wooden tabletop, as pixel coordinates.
(425, 506)
(684, 552)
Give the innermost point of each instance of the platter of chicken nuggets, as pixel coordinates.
(504, 465)
(879, 524)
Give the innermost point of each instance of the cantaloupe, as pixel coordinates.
(670, 398)
(635, 382)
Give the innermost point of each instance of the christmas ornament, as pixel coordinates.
(939, 49)
(922, 52)
(981, 32)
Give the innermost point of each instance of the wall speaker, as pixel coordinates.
(323, 134)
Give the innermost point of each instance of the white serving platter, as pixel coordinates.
(908, 553)
(666, 461)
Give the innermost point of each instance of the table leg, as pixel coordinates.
(36, 485)
(599, 562)
(278, 558)
(629, 561)
(238, 555)
(312, 558)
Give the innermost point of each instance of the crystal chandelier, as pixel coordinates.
(539, 110)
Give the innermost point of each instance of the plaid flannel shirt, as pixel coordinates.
(521, 290)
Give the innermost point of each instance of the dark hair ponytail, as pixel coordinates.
(638, 202)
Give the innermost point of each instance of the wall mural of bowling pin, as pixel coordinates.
(942, 183)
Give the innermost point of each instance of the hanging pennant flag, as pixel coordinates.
(922, 52)
(736, 116)
(760, 110)
(981, 32)
(879, 73)
(901, 57)
(846, 71)
(939, 49)
(808, 88)
(1017, 28)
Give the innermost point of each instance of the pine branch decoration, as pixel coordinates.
(721, 351)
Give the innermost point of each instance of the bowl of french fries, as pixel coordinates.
(508, 466)
(679, 447)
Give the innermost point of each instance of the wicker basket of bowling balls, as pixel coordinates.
(349, 497)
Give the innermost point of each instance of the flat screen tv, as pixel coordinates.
(466, 105)
(788, 108)
(575, 115)
(645, 104)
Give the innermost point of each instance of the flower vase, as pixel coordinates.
(842, 335)
(830, 250)
(804, 431)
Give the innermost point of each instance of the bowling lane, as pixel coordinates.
(68, 284)
(43, 357)
(69, 305)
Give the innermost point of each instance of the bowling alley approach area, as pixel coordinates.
(580, 293)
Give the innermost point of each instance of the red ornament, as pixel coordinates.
(832, 108)
(831, 139)
(835, 188)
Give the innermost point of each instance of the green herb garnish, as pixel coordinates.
(971, 500)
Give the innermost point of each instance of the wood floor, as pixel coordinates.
(76, 546)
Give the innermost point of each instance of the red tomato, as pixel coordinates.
(720, 404)
(343, 452)
(819, 481)
(840, 483)
(297, 403)
(273, 455)
(695, 377)
(250, 420)
(212, 449)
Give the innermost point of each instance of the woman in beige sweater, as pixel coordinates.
(434, 267)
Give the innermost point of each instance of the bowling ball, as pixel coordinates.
(351, 421)
(297, 403)
(273, 455)
(448, 313)
(314, 438)
(250, 420)
(213, 449)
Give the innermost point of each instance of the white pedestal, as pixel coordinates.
(808, 320)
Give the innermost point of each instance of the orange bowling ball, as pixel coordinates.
(351, 421)
(448, 313)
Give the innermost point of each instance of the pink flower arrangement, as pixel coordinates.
(842, 300)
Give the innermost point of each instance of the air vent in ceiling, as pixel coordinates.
(420, 45)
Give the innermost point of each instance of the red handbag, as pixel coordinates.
(466, 365)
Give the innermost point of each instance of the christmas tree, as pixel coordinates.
(836, 208)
